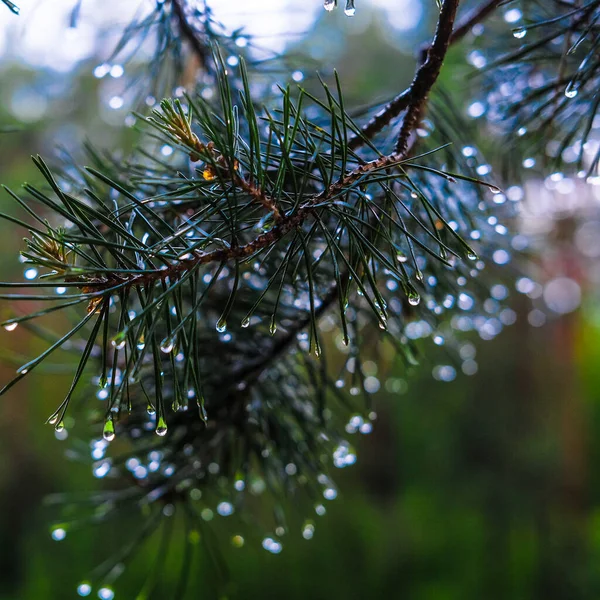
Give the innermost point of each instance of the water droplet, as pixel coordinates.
(419, 275)
(329, 5)
(308, 530)
(141, 343)
(414, 298)
(271, 545)
(273, 327)
(221, 325)
(246, 322)
(520, 33)
(350, 11)
(494, 189)
(10, 326)
(118, 341)
(84, 589)
(150, 409)
(237, 541)
(572, 89)
(167, 344)
(58, 534)
(60, 426)
(105, 593)
(225, 509)
(108, 433)
(471, 255)
(401, 258)
(161, 427)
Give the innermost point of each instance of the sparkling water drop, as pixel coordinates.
(161, 427)
(273, 327)
(58, 534)
(414, 299)
(329, 5)
(84, 589)
(350, 11)
(108, 433)
(221, 325)
(520, 33)
(246, 322)
(572, 89)
(167, 344)
(118, 341)
(10, 326)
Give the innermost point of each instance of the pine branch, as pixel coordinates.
(189, 33)
(428, 73)
(11, 6)
(405, 98)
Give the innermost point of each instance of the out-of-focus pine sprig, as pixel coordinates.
(544, 89)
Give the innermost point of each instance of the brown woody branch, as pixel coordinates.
(189, 33)
(405, 98)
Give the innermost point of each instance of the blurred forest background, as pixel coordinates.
(483, 487)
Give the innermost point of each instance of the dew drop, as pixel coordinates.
(60, 426)
(10, 326)
(161, 427)
(108, 433)
(471, 255)
(150, 409)
(246, 322)
(105, 593)
(273, 327)
(167, 344)
(572, 90)
(118, 342)
(221, 325)
(494, 189)
(58, 534)
(520, 33)
(329, 5)
(350, 11)
(84, 589)
(414, 299)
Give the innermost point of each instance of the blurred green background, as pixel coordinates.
(486, 487)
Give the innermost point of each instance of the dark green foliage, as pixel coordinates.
(544, 88)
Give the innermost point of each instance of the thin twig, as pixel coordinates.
(427, 73)
(402, 100)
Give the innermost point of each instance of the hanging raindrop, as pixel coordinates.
(414, 299)
(108, 433)
(572, 89)
(167, 344)
(161, 427)
(329, 5)
(221, 325)
(350, 11)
